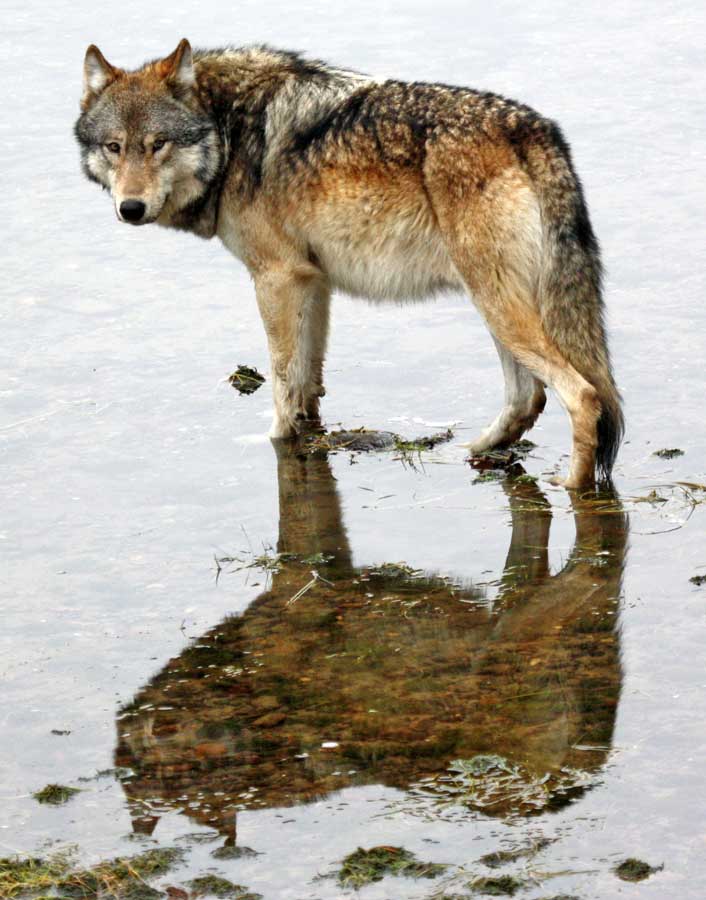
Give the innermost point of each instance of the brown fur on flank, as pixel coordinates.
(320, 179)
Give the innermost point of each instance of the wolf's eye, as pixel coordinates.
(157, 145)
(113, 147)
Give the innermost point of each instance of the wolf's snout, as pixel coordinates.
(132, 210)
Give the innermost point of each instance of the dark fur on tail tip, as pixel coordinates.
(610, 430)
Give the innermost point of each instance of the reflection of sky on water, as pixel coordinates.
(128, 462)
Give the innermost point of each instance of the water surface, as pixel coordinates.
(476, 663)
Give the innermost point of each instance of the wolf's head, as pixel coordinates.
(145, 136)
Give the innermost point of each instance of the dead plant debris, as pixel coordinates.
(246, 379)
(123, 877)
(364, 440)
(504, 857)
(500, 886)
(635, 870)
(216, 886)
(668, 453)
(55, 794)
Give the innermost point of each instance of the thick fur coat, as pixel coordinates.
(321, 179)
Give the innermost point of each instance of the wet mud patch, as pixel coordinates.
(246, 380)
(363, 440)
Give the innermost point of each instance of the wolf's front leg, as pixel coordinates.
(294, 304)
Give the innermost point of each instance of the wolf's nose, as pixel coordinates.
(132, 210)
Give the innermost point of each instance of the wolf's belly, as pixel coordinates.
(384, 260)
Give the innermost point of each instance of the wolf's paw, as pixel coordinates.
(283, 428)
(573, 483)
(482, 444)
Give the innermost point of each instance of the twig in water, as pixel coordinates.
(308, 586)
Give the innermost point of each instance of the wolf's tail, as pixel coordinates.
(569, 295)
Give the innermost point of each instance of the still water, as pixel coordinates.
(276, 656)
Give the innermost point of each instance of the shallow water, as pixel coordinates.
(303, 715)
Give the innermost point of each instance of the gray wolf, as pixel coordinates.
(323, 179)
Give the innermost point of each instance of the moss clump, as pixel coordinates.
(246, 379)
(669, 453)
(502, 886)
(215, 886)
(365, 866)
(55, 794)
(698, 580)
(635, 870)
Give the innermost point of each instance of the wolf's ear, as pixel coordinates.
(178, 68)
(97, 74)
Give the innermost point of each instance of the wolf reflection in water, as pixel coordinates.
(404, 675)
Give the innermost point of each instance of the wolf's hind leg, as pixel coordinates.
(294, 305)
(524, 335)
(524, 401)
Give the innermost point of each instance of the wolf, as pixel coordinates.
(320, 179)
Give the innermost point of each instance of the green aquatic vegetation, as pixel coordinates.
(523, 446)
(489, 475)
(365, 866)
(272, 562)
(525, 478)
(246, 379)
(122, 878)
(668, 453)
(500, 886)
(428, 442)
(635, 870)
(55, 794)
(22, 875)
(215, 886)
(395, 570)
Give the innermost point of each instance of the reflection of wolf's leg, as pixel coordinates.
(310, 517)
(294, 305)
(524, 401)
(601, 528)
(528, 556)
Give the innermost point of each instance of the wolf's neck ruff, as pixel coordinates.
(321, 179)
